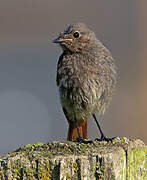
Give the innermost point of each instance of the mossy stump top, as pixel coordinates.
(122, 159)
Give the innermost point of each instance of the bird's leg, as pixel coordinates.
(77, 126)
(103, 137)
(80, 139)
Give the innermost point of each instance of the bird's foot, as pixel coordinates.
(104, 138)
(81, 140)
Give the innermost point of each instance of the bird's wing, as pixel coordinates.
(58, 66)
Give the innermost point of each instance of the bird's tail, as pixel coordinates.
(72, 130)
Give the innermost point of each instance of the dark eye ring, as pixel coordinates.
(76, 34)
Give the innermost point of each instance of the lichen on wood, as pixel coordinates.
(121, 159)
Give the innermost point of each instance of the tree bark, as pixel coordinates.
(122, 159)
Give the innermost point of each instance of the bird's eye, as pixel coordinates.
(76, 34)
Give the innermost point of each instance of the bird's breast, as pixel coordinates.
(85, 85)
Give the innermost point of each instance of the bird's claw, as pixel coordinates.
(81, 140)
(104, 138)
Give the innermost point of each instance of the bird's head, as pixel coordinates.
(75, 38)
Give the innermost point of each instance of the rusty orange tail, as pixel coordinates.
(72, 131)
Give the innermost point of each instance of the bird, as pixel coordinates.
(86, 78)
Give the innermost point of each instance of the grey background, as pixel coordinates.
(29, 103)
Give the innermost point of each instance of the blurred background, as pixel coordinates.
(30, 110)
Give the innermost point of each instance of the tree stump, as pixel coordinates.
(122, 159)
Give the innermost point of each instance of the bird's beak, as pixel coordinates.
(61, 39)
(57, 40)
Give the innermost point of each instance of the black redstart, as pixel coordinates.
(86, 77)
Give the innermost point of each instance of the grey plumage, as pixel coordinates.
(86, 73)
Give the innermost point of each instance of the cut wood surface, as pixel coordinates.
(122, 159)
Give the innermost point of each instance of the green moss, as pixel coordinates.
(75, 166)
(123, 167)
(30, 147)
(27, 172)
(137, 164)
(67, 176)
(61, 148)
(2, 174)
(99, 169)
